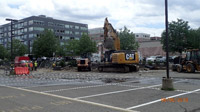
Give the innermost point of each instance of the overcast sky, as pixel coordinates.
(140, 16)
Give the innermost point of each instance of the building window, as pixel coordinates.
(21, 37)
(25, 36)
(61, 25)
(30, 29)
(20, 25)
(38, 29)
(9, 40)
(50, 24)
(72, 38)
(76, 27)
(65, 38)
(76, 38)
(51, 29)
(9, 34)
(71, 26)
(25, 23)
(62, 31)
(25, 29)
(5, 34)
(15, 26)
(38, 22)
(84, 28)
(9, 28)
(15, 32)
(77, 33)
(30, 35)
(66, 32)
(66, 26)
(30, 22)
(5, 29)
(18, 31)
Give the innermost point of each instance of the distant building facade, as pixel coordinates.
(149, 46)
(97, 34)
(140, 37)
(28, 28)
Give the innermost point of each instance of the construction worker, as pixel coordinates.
(35, 65)
(26, 64)
(31, 66)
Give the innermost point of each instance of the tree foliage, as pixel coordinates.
(127, 40)
(194, 38)
(72, 48)
(84, 46)
(46, 44)
(19, 49)
(61, 50)
(178, 36)
(3, 52)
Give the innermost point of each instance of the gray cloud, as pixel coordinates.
(139, 15)
(83, 14)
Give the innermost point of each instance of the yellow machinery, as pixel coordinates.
(116, 60)
(190, 63)
(83, 64)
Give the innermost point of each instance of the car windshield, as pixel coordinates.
(159, 57)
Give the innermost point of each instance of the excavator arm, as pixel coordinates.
(110, 37)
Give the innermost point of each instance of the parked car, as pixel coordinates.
(151, 58)
(160, 59)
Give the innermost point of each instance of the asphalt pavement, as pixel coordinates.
(71, 91)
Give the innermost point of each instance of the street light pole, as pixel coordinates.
(11, 37)
(167, 82)
(167, 39)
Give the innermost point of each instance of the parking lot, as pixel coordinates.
(71, 91)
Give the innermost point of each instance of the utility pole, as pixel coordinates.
(11, 37)
(167, 82)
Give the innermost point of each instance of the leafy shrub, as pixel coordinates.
(72, 63)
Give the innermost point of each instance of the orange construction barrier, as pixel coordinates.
(21, 70)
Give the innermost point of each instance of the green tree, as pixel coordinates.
(127, 40)
(86, 45)
(4, 53)
(194, 38)
(19, 49)
(178, 36)
(82, 47)
(61, 50)
(46, 44)
(72, 48)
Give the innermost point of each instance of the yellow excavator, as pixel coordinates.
(116, 60)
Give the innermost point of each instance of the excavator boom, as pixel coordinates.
(111, 39)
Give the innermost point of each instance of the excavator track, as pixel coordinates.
(118, 68)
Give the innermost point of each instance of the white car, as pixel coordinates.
(161, 59)
(151, 58)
